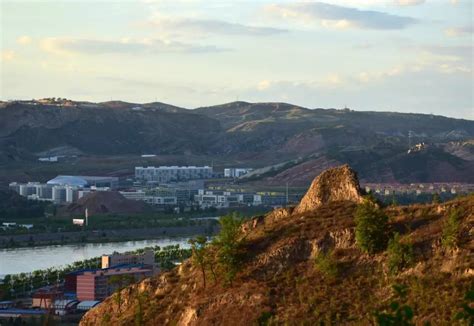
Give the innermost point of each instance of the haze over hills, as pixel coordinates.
(289, 142)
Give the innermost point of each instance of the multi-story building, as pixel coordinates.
(98, 284)
(223, 199)
(236, 172)
(165, 174)
(150, 198)
(145, 258)
(63, 188)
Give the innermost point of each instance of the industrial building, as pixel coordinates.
(166, 174)
(81, 181)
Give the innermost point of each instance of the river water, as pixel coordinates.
(26, 260)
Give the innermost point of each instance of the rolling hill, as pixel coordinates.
(258, 135)
(285, 276)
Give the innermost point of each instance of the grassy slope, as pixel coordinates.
(279, 277)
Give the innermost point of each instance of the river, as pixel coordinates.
(26, 260)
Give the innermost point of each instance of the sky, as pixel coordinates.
(377, 55)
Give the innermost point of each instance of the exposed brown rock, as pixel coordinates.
(279, 277)
(105, 202)
(337, 184)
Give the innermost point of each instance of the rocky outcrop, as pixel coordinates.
(337, 184)
(279, 282)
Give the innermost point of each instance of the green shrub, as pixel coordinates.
(451, 228)
(396, 314)
(327, 264)
(466, 316)
(265, 318)
(371, 227)
(400, 255)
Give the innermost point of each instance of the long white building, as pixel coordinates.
(164, 174)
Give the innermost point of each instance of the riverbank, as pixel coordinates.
(103, 236)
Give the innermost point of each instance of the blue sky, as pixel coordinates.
(385, 55)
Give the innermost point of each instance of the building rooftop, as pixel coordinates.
(77, 180)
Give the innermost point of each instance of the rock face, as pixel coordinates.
(337, 184)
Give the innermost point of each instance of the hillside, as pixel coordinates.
(102, 129)
(285, 277)
(257, 135)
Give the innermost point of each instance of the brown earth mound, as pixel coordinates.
(105, 202)
(337, 184)
(285, 277)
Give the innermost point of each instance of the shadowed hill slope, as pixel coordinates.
(105, 202)
(256, 135)
(282, 280)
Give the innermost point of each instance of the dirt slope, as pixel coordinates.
(105, 202)
(279, 281)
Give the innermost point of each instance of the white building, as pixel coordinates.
(224, 199)
(236, 172)
(164, 174)
(150, 199)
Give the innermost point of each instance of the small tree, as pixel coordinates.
(199, 255)
(371, 227)
(398, 314)
(327, 264)
(228, 244)
(450, 237)
(400, 255)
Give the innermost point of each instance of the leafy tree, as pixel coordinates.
(400, 255)
(371, 227)
(436, 198)
(450, 237)
(199, 255)
(228, 244)
(397, 314)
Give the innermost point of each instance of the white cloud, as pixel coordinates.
(123, 46)
(334, 16)
(459, 31)
(263, 85)
(408, 2)
(193, 26)
(24, 40)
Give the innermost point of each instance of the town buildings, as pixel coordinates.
(99, 284)
(64, 188)
(146, 258)
(165, 174)
(236, 172)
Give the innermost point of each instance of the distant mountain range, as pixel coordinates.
(288, 142)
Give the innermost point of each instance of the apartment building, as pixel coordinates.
(98, 284)
(165, 174)
(236, 172)
(145, 258)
